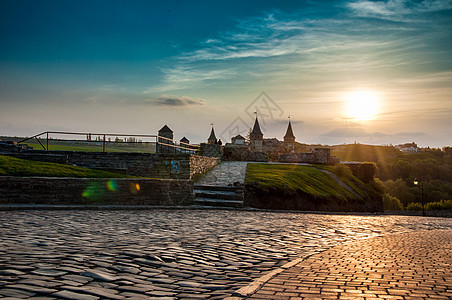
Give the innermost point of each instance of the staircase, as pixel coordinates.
(221, 196)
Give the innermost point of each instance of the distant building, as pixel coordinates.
(256, 137)
(238, 140)
(212, 138)
(408, 147)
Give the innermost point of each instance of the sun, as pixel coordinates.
(361, 105)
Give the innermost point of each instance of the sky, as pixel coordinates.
(373, 72)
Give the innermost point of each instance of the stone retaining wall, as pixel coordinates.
(201, 164)
(129, 163)
(65, 191)
(318, 156)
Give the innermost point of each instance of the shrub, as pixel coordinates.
(414, 206)
(391, 203)
(342, 170)
(439, 205)
(378, 185)
(366, 171)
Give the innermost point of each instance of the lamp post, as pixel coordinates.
(416, 183)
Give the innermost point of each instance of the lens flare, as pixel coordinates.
(94, 191)
(112, 186)
(134, 187)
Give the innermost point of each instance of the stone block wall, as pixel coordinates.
(211, 150)
(201, 164)
(129, 163)
(67, 191)
(318, 156)
(298, 158)
(243, 154)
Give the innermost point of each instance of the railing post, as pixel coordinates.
(104, 144)
(157, 144)
(47, 139)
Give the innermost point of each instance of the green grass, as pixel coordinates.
(68, 148)
(352, 181)
(95, 148)
(296, 178)
(11, 166)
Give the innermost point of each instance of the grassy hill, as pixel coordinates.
(10, 166)
(296, 178)
(290, 186)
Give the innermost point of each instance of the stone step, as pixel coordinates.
(219, 195)
(218, 202)
(218, 188)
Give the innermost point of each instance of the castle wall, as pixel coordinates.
(211, 150)
(87, 191)
(318, 156)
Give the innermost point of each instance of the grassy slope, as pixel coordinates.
(296, 178)
(10, 166)
(94, 148)
(354, 183)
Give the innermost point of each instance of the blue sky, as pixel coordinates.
(133, 66)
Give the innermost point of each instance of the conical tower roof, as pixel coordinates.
(256, 132)
(212, 138)
(289, 133)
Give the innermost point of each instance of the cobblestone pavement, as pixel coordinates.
(169, 254)
(225, 173)
(416, 265)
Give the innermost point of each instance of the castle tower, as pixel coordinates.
(256, 137)
(289, 138)
(184, 140)
(212, 138)
(165, 137)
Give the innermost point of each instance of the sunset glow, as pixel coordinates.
(361, 106)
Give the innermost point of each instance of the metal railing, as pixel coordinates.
(162, 144)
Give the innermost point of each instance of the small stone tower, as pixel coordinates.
(165, 138)
(212, 138)
(256, 137)
(184, 140)
(289, 138)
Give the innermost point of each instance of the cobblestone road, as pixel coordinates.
(167, 253)
(414, 265)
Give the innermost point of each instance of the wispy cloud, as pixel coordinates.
(186, 76)
(396, 10)
(165, 100)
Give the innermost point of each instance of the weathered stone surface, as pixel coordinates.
(15, 293)
(31, 288)
(93, 191)
(211, 254)
(96, 274)
(401, 266)
(73, 295)
(11, 272)
(49, 272)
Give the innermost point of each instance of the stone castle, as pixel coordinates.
(258, 148)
